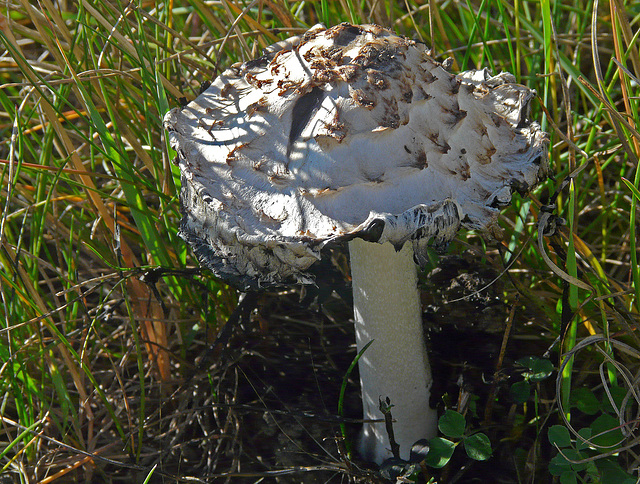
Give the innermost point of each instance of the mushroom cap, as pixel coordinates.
(346, 132)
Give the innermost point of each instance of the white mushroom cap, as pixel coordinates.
(346, 132)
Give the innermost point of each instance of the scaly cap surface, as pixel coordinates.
(346, 132)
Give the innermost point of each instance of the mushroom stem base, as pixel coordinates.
(387, 310)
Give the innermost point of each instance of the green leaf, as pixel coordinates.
(562, 462)
(605, 431)
(440, 451)
(573, 456)
(568, 477)
(612, 473)
(538, 368)
(617, 394)
(520, 391)
(586, 434)
(542, 369)
(478, 446)
(558, 464)
(585, 401)
(559, 435)
(452, 424)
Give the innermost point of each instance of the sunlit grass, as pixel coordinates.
(100, 295)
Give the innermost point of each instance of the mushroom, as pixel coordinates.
(353, 134)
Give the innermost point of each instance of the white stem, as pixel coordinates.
(387, 310)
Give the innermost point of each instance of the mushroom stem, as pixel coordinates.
(387, 310)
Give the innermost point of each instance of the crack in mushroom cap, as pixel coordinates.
(346, 132)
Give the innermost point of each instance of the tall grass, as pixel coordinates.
(102, 303)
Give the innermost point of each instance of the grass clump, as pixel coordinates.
(104, 310)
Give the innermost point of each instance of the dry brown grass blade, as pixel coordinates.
(627, 32)
(178, 35)
(545, 223)
(136, 145)
(497, 377)
(257, 26)
(228, 6)
(619, 19)
(210, 16)
(153, 327)
(57, 26)
(434, 14)
(70, 468)
(58, 22)
(566, 102)
(413, 21)
(70, 171)
(126, 46)
(283, 14)
(617, 120)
